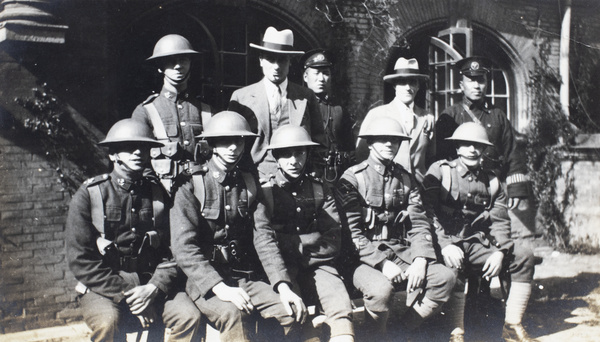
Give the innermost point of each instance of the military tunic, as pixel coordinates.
(129, 224)
(201, 233)
(339, 153)
(513, 168)
(375, 199)
(307, 224)
(473, 215)
(181, 115)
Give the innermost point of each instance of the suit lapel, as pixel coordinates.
(260, 104)
(296, 104)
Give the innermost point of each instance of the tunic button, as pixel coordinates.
(464, 207)
(186, 142)
(182, 123)
(227, 188)
(298, 209)
(226, 226)
(202, 214)
(133, 210)
(484, 202)
(133, 230)
(227, 207)
(298, 228)
(469, 195)
(180, 106)
(132, 192)
(470, 179)
(386, 178)
(294, 194)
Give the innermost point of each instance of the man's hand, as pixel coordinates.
(392, 271)
(493, 265)
(140, 297)
(453, 256)
(416, 274)
(288, 297)
(429, 126)
(513, 202)
(235, 295)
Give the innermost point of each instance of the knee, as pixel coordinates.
(229, 318)
(377, 298)
(103, 327)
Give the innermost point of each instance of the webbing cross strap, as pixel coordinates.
(97, 207)
(159, 128)
(200, 189)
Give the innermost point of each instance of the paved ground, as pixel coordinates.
(565, 307)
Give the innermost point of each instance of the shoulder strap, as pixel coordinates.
(251, 187)
(471, 114)
(199, 189)
(97, 208)
(494, 190)
(206, 114)
(446, 181)
(362, 185)
(159, 128)
(158, 204)
(318, 195)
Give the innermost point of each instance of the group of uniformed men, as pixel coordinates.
(257, 211)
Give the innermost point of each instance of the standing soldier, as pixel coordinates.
(175, 115)
(118, 246)
(307, 224)
(336, 123)
(470, 215)
(418, 152)
(274, 101)
(474, 108)
(219, 223)
(391, 232)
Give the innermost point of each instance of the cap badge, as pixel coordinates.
(474, 66)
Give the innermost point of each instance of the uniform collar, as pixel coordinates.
(463, 170)
(403, 107)
(217, 172)
(125, 182)
(379, 166)
(325, 99)
(174, 95)
(283, 181)
(483, 104)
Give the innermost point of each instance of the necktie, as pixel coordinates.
(277, 101)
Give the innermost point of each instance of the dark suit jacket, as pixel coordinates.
(252, 103)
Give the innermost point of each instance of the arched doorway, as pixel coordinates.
(437, 47)
(221, 33)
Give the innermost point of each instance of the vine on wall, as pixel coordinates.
(549, 137)
(68, 150)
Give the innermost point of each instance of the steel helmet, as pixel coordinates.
(290, 136)
(172, 44)
(227, 124)
(383, 126)
(471, 131)
(130, 130)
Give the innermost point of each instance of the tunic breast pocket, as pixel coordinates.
(211, 209)
(171, 129)
(398, 198)
(242, 207)
(196, 129)
(146, 215)
(113, 214)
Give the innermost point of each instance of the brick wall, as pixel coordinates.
(35, 284)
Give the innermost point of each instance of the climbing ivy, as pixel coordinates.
(71, 152)
(549, 137)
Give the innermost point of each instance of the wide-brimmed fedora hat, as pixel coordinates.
(278, 42)
(405, 68)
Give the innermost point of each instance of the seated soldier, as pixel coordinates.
(222, 239)
(118, 246)
(391, 233)
(307, 225)
(469, 209)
